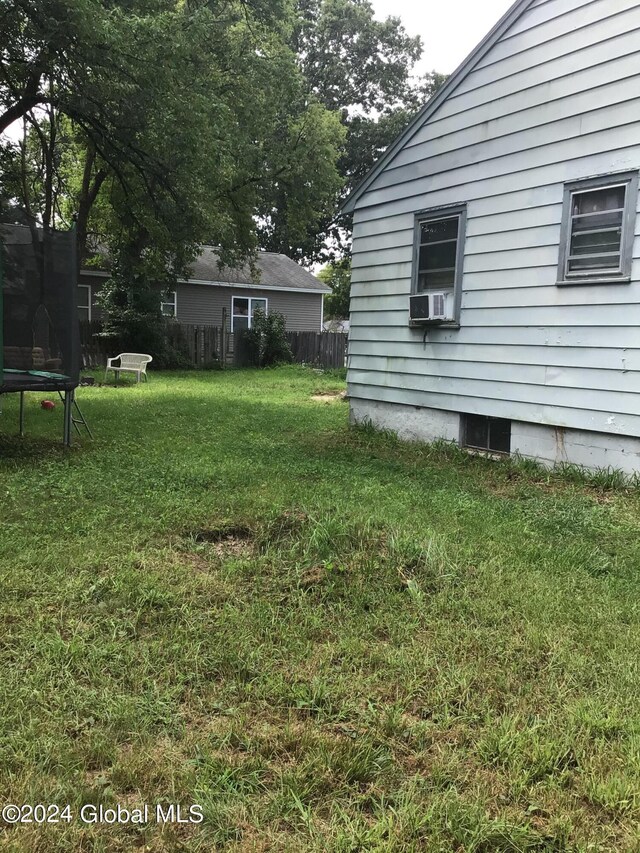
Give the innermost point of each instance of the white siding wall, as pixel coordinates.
(557, 99)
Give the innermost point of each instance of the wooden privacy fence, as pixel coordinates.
(201, 345)
(321, 349)
(324, 349)
(94, 350)
(204, 345)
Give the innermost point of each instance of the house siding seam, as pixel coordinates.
(504, 142)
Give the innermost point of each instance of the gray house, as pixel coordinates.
(496, 262)
(284, 287)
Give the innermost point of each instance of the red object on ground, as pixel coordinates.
(47, 404)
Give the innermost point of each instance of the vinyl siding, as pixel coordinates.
(202, 304)
(555, 100)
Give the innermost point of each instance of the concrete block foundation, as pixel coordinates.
(550, 445)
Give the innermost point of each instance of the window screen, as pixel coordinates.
(596, 230)
(598, 227)
(437, 253)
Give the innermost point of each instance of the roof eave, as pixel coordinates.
(432, 105)
(254, 285)
(216, 283)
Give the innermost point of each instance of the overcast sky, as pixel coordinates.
(449, 29)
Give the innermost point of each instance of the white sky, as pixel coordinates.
(449, 29)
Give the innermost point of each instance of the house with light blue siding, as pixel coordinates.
(495, 296)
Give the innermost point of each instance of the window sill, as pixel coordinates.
(433, 324)
(572, 282)
(494, 455)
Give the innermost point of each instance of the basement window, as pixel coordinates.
(598, 225)
(488, 434)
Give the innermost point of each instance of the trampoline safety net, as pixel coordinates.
(40, 336)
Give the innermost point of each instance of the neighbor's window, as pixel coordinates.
(169, 304)
(482, 433)
(243, 309)
(597, 229)
(439, 255)
(84, 302)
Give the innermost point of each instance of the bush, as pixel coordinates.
(266, 341)
(133, 321)
(131, 314)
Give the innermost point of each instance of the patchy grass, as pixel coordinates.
(327, 639)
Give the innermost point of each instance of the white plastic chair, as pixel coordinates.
(130, 362)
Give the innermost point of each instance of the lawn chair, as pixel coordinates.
(130, 362)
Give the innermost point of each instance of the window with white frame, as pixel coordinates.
(598, 225)
(242, 310)
(438, 258)
(84, 302)
(169, 304)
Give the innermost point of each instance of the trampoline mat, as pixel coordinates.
(34, 380)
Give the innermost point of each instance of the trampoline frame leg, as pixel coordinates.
(68, 413)
(21, 417)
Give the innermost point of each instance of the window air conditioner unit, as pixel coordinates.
(428, 307)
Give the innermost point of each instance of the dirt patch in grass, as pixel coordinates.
(233, 540)
(329, 396)
(225, 533)
(196, 561)
(313, 576)
(233, 546)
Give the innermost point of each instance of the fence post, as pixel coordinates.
(223, 338)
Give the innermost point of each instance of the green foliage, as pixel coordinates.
(307, 184)
(181, 123)
(175, 124)
(266, 342)
(359, 68)
(337, 276)
(132, 317)
(350, 59)
(132, 314)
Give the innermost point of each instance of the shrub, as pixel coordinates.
(266, 342)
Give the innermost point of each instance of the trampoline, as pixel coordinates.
(39, 329)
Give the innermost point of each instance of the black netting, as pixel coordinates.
(40, 331)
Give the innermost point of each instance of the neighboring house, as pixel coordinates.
(496, 272)
(284, 287)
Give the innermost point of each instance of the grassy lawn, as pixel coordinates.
(325, 638)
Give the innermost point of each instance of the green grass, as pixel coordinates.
(330, 640)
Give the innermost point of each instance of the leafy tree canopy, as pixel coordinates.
(337, 276)
(351, 61)
(360, 69)
(161, 123)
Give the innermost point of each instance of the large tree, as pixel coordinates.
(179, 116)
(360, 69)
(337, 276)
(159, 125)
